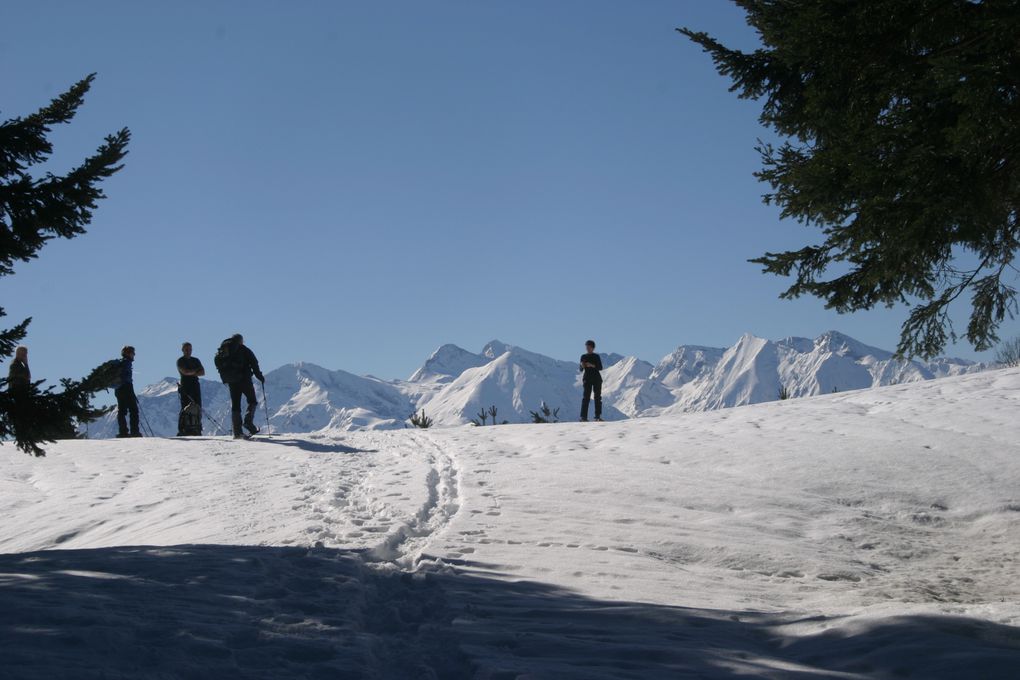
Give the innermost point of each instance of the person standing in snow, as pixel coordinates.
(591, 364)
(237, 364)
(127, 402)
(189, 422)
(19, 384)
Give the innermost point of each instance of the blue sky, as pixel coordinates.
(354, 184)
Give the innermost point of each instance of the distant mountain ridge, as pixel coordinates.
(454, 385)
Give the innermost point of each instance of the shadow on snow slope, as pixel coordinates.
(311, 446)
(217, 611)
(283, 440)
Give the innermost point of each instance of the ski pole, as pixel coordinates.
(265, 402)
(144, 419)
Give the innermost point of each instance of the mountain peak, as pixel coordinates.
(495, 348)
(839, 343)
(446, 363)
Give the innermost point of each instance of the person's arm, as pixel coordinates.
(254, 363)
(200, 371)
(598, 362)
(188, 372)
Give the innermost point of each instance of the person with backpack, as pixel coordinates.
(189, 422)
(127, 402)
(237, 364)
(591, 364)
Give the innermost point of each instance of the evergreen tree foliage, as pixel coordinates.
(902, 134)
(34, 210)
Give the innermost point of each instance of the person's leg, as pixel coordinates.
(196, 396)
(597, 388)
(253, 402)
(122, 407)
(185, 401)
(585, 400)
(132, 407)
(235, 407)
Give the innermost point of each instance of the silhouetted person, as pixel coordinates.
(127, 402)
(19, 377)
(19, 384)
(591, 364)
(190, 368)
(237, 364)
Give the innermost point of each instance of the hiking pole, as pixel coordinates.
(144, 419)
(265, 402)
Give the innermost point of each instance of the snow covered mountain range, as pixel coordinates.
(455, 385)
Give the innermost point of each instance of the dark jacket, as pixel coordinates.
(239, 363)
(126, 376)
(19, 378)
(591, 375)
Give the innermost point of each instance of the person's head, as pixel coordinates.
(186, 349)
(590, 346)
(238, 338)
(21, 354)
(128, 352)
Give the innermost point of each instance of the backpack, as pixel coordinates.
(230, 361)
(190, 421)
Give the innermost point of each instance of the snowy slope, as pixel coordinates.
(318, 399)
(453, 385)
(756, 370)
(866, 534)
(628, 385)
(685, 364)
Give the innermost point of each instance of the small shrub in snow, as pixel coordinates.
(545, 415)
(484, 415)
(422, 421)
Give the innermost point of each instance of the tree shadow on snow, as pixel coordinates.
(215, 611)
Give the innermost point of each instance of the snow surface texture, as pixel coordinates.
(453, 386)
(867, 534)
